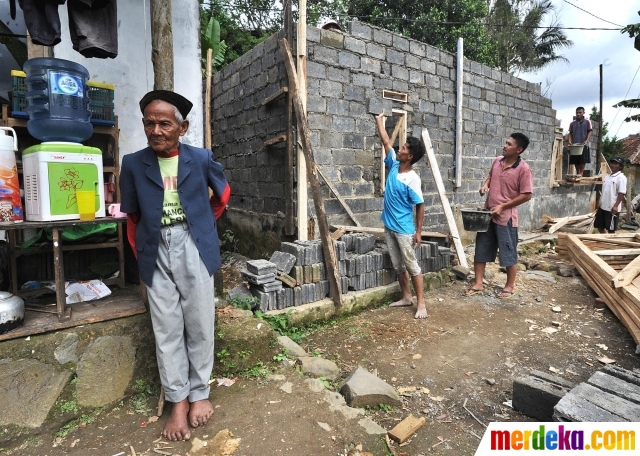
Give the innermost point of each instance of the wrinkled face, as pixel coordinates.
(161, 127)
(579, 114)
(511, 148)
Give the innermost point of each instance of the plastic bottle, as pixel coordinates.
(9, 183)
(58, 100)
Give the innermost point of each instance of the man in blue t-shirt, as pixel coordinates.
(403, 191)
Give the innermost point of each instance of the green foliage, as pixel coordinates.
(244, 302)
(611, 145)
(514, 29)
(69, 406)
(228, 245)
(259, 370)
(281, 324)
(139, 401)
(326, 383)
(242, 26)
(437, 22)
(384, 407)
(281, 356)
(210, 39)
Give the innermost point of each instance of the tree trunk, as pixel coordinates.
(161, 45)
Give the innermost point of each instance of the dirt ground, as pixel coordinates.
(465, 356)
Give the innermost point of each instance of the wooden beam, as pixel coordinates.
(617, 252)
(289, 162)
(345, 206)
(380, 231)
(276, 140)
(301, 90)
(628, 273)
(559, 224)
(275, 96)
(161, 44)
(312, 176)
(453, 228)
(207, 102)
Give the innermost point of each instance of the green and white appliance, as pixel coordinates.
(53, 172)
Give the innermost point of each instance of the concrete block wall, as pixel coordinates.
(347, 73)
(240, 125)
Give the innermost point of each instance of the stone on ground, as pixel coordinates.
(363, 389)
(371, 427)
(289, 345)
(314, 384)
(29, 390)
(67, 351)
(222, 444)
(319, 367)
(461, 272)
(105, 371)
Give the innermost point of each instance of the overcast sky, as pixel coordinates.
(577, 83)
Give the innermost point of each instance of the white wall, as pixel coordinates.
(132, 70)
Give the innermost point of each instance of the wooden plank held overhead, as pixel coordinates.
(453, 228)
(312, 176)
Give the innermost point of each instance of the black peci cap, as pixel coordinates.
(180, 102)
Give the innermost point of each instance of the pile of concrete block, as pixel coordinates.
(299, 266)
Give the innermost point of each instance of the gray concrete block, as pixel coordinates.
(538, 393)
(270, 286)
(297, 272)
(297, 296)
(257, 279)
(283, 261)
(273, 300)
(261, 267)
(376, 105)
(295, 250)
(241, 291)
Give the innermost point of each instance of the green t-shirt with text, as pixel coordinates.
(171, 206)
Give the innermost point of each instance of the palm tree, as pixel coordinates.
(514, 27)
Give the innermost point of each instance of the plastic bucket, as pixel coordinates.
(576, 149)
(476, 220)
(58, 100)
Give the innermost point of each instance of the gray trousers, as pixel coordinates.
(183, 313)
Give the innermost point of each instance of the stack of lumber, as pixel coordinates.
(611, 395)
(578, 224)
(610, 263)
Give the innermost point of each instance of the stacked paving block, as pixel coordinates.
(297, 273)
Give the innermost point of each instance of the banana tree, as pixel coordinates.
(210, 39)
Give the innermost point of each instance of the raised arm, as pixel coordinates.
(384, 137)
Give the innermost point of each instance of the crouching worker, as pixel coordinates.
(402, 232)
(165, 193)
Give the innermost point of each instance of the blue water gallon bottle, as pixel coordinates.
(57, 100)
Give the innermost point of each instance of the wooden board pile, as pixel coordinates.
(580, 224)
(610, 263)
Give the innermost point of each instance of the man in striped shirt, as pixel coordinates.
(510, 183)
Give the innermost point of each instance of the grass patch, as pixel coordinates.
(259, 370)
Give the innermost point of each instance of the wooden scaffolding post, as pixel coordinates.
(312, 175)
(161, 44)
(453, 228)
(289, 184)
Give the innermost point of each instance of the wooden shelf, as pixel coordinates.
(110, 150)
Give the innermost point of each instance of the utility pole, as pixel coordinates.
(161, 44)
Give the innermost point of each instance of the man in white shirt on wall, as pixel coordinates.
(614, 189)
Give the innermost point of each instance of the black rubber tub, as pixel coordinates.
(476, 219)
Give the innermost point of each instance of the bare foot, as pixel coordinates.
(404, 302)
(422, 312)
(177, 427)
(200, 412)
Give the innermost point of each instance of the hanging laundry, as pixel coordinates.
(93, 25)
(42, 20)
